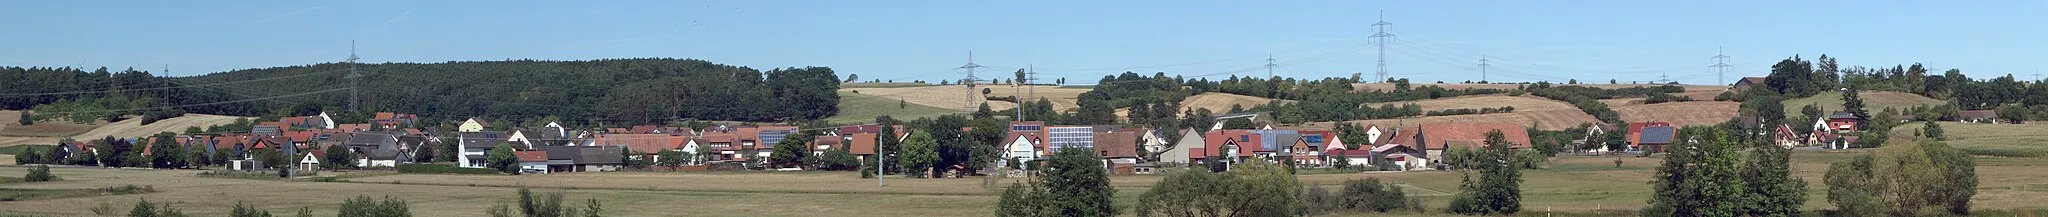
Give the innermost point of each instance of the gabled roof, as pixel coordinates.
(1842, 115)
(1116, 144)
(487, 138)
(1750, 80)
(862, 143)
(643, 129)
(827, 141)
(1658, 135)
(643, 143)
(480, 122)
(532, 156)
(351, 127)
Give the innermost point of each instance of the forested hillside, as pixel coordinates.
(607, 91)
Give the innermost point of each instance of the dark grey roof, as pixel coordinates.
(488, 138)
(372, 139)
(1658, 135)
(584, 154)
(1841, 114)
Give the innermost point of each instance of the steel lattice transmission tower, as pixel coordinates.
(1482, 68)
(1720, 66)
(969, 81)
(1381, 37)
(355, 91)
(1270, 65)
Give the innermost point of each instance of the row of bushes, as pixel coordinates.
(442, 169)
(1655, 98)
(1467, 111)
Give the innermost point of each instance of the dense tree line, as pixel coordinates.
(516, 91)
(1925, 179)
(2012, 98)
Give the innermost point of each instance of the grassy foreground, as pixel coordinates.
(1570, 186)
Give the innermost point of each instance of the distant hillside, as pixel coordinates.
(614, 91)
(1831, 101)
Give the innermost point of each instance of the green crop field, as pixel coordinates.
(862, 108)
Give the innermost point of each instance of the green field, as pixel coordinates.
(863, 108)
(1831, 101)
(1995, 140)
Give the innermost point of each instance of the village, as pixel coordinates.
(390, 139)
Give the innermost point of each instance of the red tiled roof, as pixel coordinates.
(827, 141)
(299, 136)
(1116, 144)
(1439, 136)
(532, 156)
(1215, 140)
(748, 134)
(862, 144)
(643, 143)
(351, 127)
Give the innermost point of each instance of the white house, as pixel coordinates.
(311, 161)
(472, 125)
(1022, 147)
(326, 122)
(474, 146)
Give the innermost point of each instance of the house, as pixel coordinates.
(767, 137)
(532, 162)
(412, 147)
(1232, 145)
(1844, 121)
(1977, 116)
(392, 121)
(1403, 157)
(862, 145)
(1024, 147)
(472, 125)
(643, 146)
(1152, 143)
(1434, 139)
(475, 146)
(1635, 133)
(1118, 147)
(583, 158)
(374, 149)
(822, 143)
(1190, 138)
(1748, 82)
(1654, 138)
(1784, 136)
(311, 161)
(1302, 154)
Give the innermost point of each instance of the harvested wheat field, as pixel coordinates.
(1548, 120)
(1220, 102)
(133, 126)
(1521, 103)
(954, 96)
(1695, 113)
(1390, 86)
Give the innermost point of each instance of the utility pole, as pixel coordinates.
(2037, 75)
(969, 81)
(167, 84)
(1269, 65)
(1381, 37)
(1482, 68)
(881, 162)
(355, 90)
(1720, 66)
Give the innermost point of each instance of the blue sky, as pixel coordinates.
(1079, 40)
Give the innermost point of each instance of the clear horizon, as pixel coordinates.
(1080, 41)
